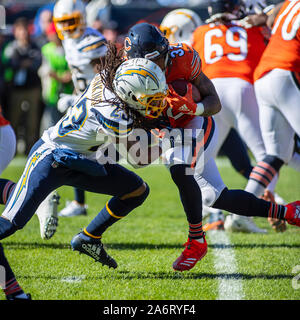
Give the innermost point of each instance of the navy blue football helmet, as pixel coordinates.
(144, 40)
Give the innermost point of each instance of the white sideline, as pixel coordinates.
(230, 284)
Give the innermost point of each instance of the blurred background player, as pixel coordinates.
(179, 24)
(56, 78)
(7, 142)
(10, 285)
(278, 94)
(84, 47)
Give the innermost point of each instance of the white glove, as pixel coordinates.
(65, 101)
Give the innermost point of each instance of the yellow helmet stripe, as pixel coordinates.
(142, 72)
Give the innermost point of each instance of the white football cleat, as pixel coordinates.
(47, 214)
(73, 209)
(236, 223)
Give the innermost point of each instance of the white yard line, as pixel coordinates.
(73, 279)
(230, 283)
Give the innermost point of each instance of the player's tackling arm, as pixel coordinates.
(210, 99)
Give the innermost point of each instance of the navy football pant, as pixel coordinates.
(39, 179)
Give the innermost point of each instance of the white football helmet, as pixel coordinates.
(69, 17)
(142, 85)
(178, 25)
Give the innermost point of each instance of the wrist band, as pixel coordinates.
(199, 109)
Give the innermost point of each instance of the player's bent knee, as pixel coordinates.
(210, 196)
(137, 197)
(136, 193)
(6, 228)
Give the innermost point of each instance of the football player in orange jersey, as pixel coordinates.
(229, 54)
(277, 88)
(192, 166)
(178, 26)
(180, 61)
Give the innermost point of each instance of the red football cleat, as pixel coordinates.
(292, 214)
(193, 252)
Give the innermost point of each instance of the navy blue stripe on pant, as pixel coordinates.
(39, 179)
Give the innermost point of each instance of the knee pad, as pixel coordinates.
(210, 195)
(121, 207)
(138, 200)
(6, 228)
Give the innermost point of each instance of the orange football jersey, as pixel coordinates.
(229, 51)
(185, 64)
(283, 50)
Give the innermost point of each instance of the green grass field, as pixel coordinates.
(145, 244)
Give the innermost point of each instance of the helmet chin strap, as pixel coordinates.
(167, 60)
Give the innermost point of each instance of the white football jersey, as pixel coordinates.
(79, 54)
(89, 122)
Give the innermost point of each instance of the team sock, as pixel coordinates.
(6, 188)
(105, 218)
(10, 286)
(277, 211)
(195, 231)
(262, 174)
(114, 210)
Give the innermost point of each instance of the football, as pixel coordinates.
(180, 87)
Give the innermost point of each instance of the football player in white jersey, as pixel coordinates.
(72, 153)
(178, 25)
(84, 47)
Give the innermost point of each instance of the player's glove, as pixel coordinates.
(184, 104)
(65, 101)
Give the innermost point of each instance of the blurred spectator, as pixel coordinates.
(110, 31)
(23, 57)
(56, 77)
(45, 19)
